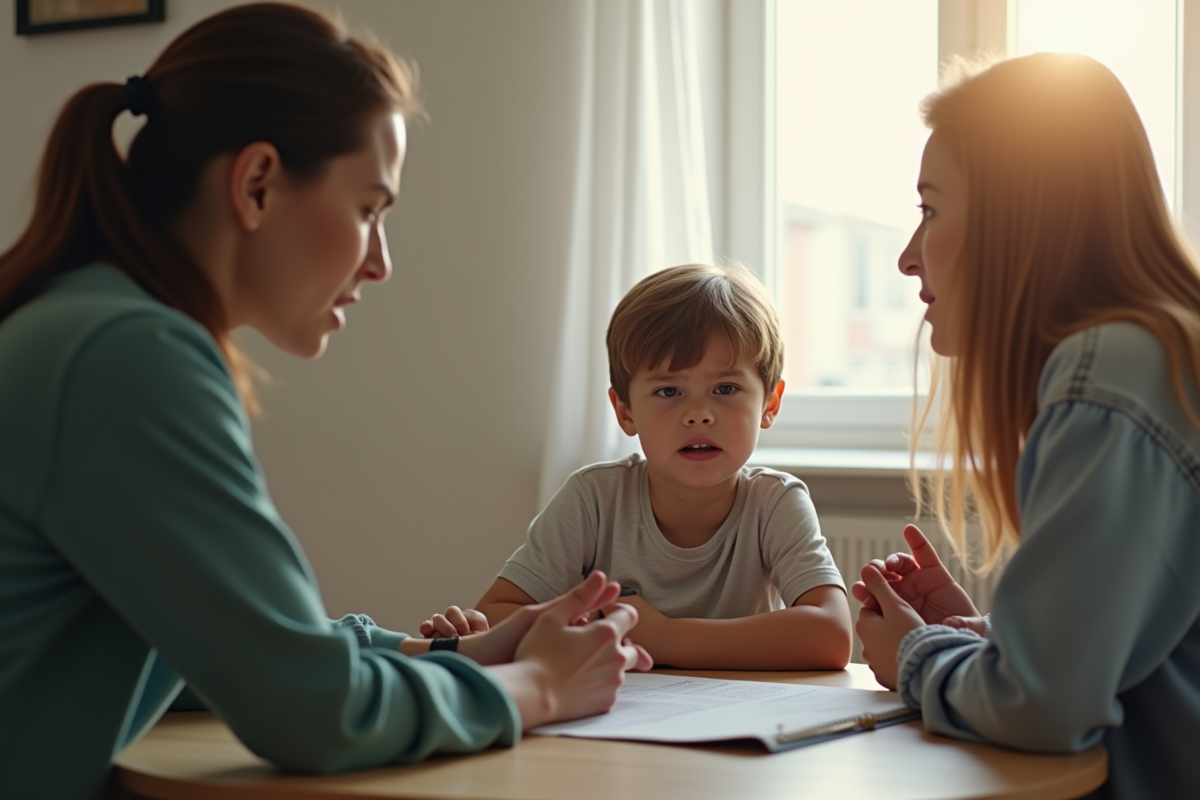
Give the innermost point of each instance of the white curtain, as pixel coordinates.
(640, 203)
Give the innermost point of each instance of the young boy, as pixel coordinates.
(725, 563)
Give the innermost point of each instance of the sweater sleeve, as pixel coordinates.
(154, 495)
(1091, 603)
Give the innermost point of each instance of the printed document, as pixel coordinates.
(670, 708)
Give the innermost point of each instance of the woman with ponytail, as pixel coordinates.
(139, 548)
(1065, 310)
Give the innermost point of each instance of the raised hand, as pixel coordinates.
(921, 580)
(455, 622)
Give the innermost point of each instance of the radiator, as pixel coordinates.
(854, 541)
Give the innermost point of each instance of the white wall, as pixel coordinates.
(406, 459)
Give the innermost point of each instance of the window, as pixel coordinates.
(823, 153)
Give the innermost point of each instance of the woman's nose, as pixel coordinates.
(910, 258)
(378, 264)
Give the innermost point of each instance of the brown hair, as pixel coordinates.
(266, 72)
(1067, 223)
(673, 312)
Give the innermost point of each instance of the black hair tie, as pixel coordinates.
(138, 95)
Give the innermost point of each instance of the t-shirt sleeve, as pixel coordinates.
(560, 546)
(1092, 601)
(794, 551)
(155, 497)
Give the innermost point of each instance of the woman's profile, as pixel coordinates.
(139, 547)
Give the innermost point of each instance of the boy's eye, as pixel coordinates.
(667, 391)
(725, 388)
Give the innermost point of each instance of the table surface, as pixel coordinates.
(192, 755)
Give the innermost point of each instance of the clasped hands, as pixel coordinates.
(503, 643)
(903, 592)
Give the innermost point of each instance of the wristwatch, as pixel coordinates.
(449, 643)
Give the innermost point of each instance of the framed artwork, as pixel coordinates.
(50, 16)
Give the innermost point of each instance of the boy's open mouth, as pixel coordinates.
(699, 451)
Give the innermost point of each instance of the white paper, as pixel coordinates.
(672, 708)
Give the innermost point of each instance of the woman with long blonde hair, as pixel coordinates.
(1065, 308)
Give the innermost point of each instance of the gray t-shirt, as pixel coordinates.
(767, 553)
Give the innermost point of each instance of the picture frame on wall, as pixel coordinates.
(50, 16)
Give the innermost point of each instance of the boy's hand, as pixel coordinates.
(921, 580)
(455, 622)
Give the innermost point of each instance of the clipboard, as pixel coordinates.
(692, 710)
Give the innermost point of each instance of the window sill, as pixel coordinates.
(839, 462)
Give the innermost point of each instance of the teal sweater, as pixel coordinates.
(139, 549)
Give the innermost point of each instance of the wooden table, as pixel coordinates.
(189, 756)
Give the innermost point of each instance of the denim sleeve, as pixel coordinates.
(1092, 602)
(155, 496)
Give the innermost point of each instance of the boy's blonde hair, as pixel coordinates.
(1067, 227)
(672, 313)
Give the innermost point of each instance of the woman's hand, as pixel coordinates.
(921, 580)
(563, 670)
(455, 622)
(652, 625)
(882, 630)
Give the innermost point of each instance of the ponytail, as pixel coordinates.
(264, 72)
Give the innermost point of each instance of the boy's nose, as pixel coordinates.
(698, 416)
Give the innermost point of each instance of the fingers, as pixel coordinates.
(594, 592)
(879, 588)
(477, 621)
(900, 564)
(622, 616)
(923, 552)
(427, 630)
(862, 595)
(642, 660)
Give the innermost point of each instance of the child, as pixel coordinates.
(725, 563)
(1067, 308)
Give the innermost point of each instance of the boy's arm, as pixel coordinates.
(813, 634)
(502, 599)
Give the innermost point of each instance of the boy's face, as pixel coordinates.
(698, 426)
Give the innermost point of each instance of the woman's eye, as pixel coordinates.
(667, 391)
(370, 215)
(926, 211)
(726, 388)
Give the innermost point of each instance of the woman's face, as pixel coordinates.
(321, 242)
(931, 252)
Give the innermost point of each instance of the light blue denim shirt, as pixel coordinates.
(1095, 634)
(139, 548)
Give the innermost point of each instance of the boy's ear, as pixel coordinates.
(253, 180)
(771, 406)
(624, 418)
